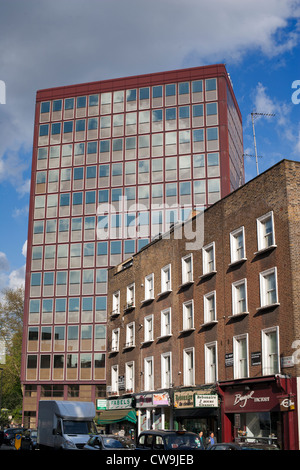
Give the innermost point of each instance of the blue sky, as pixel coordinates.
(45, 44)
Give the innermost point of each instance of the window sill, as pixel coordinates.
(186, 284)
(237, 262)
(165, 336)
(129, 307)
(267, 307)
(114, 314)
(165, 292)
(205, 275)
(209, 323)
(129, 346)
(147, 301)
(265, 250)
(237, 315)
(147, 341)
(187, 330)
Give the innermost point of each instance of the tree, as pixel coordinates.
(11, 328)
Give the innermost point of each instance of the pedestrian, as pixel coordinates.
(211, 440)
(201, 439)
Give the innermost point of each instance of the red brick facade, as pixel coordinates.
(269, 327)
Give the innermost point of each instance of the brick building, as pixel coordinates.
(205, 337)
(110, 158)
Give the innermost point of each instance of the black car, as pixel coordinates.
(10, 435)
(242, 446)
(29, 440)
(108, 442)
(168, 440)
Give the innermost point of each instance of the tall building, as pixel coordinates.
(114, 164)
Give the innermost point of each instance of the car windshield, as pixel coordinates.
(112, 443)
(79, 427)
(174, 441)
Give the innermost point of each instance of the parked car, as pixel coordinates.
(1, 437)
(10, 435)
(242, 446)
(168, 440)
(29, 440)
(108, 442)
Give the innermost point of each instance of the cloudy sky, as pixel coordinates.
(46, 44)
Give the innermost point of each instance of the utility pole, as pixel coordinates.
(253, 116)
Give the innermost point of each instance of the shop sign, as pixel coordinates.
(251, 401)
(287, 404)
(229, 360)
(161, 399)
(143, 401)
(287, 361)
(101, 404)
(119, 404)
(256, 358)
(121, 382)
(184, 399)
(206, 401)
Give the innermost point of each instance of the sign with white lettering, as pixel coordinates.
(256, 358)
(119, 404)
(259, 400)
(101, 404)
(229, 360)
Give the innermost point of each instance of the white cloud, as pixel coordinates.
(282, 122)
(263, 103)
(20, 212)
(4, 264)
(17, 278)
(57, 43)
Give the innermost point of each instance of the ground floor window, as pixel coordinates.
(197, 424)
(265, 426)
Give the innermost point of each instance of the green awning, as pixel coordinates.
(116, 416)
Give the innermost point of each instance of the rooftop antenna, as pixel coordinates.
(254, 115)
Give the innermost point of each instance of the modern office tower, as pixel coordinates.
(115, 163)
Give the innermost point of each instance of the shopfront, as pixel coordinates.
(197, 410)
(154, 411)
(117, 416)
(262, 410)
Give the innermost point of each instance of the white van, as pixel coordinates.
(65, 425)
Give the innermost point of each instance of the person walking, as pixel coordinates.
(201, 439)
(211, 440)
